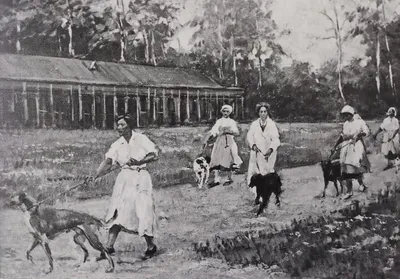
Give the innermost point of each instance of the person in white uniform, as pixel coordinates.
(224, 156)
(132, 194)
(263, 140)
(353, 155)
(391, 145)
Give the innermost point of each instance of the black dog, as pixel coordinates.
(265, 186)
(331, 170)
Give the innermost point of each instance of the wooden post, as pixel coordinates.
(25, 101)
(52, 106)
(148, 105)
(179, 106)
(37, 104)
(223, 99)
(2, 111)
(155, 106)
(94, 107)
(126, 99)
(138, 109)
(210, 106)
(236, 107)
(115, 105)
(104, 110)
(80, 104)
(198, 106)
(242, 99)
(165, 109)
(71, 92)
(187, 105)
(216, 101)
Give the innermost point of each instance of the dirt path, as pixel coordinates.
(192, 215)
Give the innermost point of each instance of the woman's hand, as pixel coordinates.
(269, 152)
(255, 148)
(133, 162)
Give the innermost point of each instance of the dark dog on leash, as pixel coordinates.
(45, 223)
(265, 186)
(332, 172)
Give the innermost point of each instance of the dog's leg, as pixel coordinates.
(257, 200)
(277, 201)
(45, 244)
(202, 176)
(198, 181)
(30, 248)
(326, 181)
(79, 238)
(207, 175)
(96, 244)
(336, 187)
(263, 204)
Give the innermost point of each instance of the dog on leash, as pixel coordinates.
(46, 223)
(201, 168)
(332, 172)
(265, 186)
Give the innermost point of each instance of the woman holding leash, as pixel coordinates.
(263, 139)
(391, 145)
(132, 194)
(224, 155)
(353, 155)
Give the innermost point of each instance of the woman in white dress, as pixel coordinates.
(391, 145)
(132, 194)
(263, 139)
(353, 155)
(224, 156)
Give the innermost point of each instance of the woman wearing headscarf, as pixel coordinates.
(353, 155)
(263, 139)
(224, 155)
(390, 128)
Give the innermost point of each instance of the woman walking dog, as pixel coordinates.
(132, 195)
(391, 145)
(263, 139)
(224, 155)
(353, 156)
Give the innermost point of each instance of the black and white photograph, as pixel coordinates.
(176, 139)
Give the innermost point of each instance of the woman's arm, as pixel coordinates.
(104, 167)
(250, 137)
(374, 135)
(150, 157)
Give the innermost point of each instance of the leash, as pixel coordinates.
(85, 182)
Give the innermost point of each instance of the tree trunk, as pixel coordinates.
(153, 55)
(18, 43)
(378, 62)
(146, 46)
(392, 83)
(71, 50)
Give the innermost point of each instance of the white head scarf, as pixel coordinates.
(393, 109)
(348, 109)
(227, 107)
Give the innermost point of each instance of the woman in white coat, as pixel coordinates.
(263, 139)
(132, 194)
(390, 128)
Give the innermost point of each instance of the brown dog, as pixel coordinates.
(45, 223)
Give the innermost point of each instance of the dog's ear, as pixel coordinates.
(208, 159)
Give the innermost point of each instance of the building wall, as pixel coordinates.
(47, 105)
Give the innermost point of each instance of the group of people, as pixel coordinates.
(132, 195)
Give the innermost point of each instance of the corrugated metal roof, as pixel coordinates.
(64, 70)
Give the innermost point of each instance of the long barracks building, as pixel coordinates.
(37, 91)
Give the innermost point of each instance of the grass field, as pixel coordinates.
(43, 162)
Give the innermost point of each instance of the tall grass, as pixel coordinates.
(46, 162)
